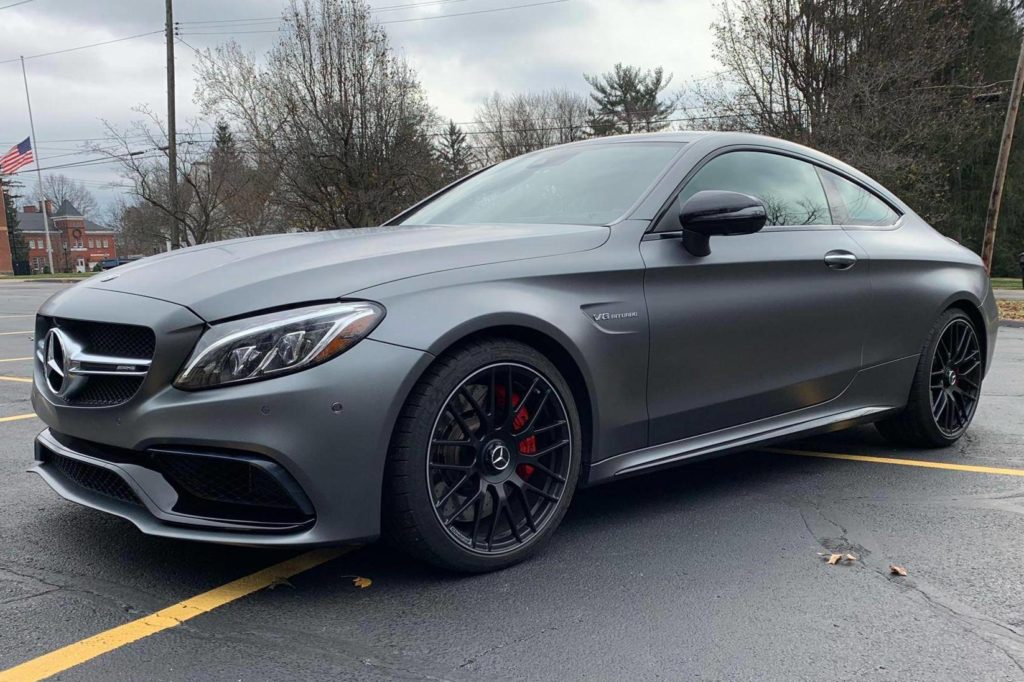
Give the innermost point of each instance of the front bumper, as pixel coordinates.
(326, 430)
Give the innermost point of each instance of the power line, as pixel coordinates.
(15, 4)
(479, 11)
(278, 19)
(83, 47)
(188, 32)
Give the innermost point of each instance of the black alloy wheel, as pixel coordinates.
(499, 458)
(956, 374)
(946, 388)
(485, 458)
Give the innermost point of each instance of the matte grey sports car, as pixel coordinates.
(566, 318)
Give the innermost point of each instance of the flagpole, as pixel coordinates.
(39, 172)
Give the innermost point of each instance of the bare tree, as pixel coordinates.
(204, 187)
(882, 84)
(335, 118)
(58, 188)
(510, 125)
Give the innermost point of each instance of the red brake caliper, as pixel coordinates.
(527, 446)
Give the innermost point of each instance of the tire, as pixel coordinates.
(450, 497)
(951, 363)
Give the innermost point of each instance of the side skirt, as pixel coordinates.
(872, 394)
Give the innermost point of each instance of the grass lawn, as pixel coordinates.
(1006, 282)
(59, 275)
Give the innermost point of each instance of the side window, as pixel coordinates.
(857, 206)
(790, 189)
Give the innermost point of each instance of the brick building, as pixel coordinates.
(78, 244)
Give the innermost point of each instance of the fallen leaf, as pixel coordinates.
(897, 570)
(833, 559)
(850, 557)
(361, 582)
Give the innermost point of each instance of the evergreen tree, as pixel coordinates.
(19, 249)
(224, 140)
(629, 100)
(454, 153)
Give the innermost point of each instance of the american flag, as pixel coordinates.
(18, 156)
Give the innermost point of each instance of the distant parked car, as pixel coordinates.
(111, 263)
(569, 317)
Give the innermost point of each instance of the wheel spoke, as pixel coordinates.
(975, 365)
(478, 509)
(485, 420)
(512, 523)
(464, 507)
(961, 408)
(510, 419)
(491, 394)
(454, 488)
(495, 515)
(452, 443)
(965, 339)
(528, 429)
(450, 467)
(969, 382)
(549, 449)
(526, 509)
(546, 471)
(968, 355)
(534, 489)
(544, 429)
(938, 404)
(466, 431)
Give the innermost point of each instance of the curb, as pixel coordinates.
(1018, 324)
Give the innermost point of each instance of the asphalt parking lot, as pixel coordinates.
(710, 571)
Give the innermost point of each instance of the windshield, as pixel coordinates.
(579, 185)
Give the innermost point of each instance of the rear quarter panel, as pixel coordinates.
(916, 273)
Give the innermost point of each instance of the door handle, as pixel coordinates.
(840, 260)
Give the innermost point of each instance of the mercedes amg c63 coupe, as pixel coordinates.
(449, 379)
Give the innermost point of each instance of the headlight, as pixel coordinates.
(278, 343)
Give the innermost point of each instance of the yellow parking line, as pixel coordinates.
(16, 417)
(21, 380)
(15, 359)
(926, 464)
(13, 333)
(75, 654)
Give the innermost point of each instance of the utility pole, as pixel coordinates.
(992, 219)
(39, 172)
(172, 134)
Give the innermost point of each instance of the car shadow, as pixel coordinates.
(99, 545)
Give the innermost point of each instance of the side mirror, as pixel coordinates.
(714, 213)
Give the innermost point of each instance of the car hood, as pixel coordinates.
(235, 277)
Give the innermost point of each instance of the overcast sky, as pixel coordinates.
(460, 59)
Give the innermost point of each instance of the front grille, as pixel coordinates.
(127, 341)
(95, 478)
(103, 391)
(105, 338)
